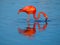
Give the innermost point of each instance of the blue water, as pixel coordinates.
(10, 21)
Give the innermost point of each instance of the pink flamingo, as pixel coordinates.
(32, 10)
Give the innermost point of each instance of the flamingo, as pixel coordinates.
(32, 10)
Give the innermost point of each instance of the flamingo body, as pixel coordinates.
(28, 9)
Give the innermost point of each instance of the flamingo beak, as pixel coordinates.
(46, 19)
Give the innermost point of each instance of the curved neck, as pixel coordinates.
(44, 14)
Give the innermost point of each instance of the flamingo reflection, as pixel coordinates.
(30, 31)
(43, 27)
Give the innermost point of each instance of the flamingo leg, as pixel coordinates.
(28, 18)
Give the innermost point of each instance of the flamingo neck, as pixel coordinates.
(44, 14)
(35, 17)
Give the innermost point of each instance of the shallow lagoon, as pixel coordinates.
(10, 21)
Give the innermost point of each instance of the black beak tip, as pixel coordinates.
(45, 20)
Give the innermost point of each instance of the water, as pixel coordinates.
(10, 21)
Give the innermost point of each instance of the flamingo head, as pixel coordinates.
(20, 10)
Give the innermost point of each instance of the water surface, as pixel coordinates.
(10, 21)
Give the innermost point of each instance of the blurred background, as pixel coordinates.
(13, 26)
